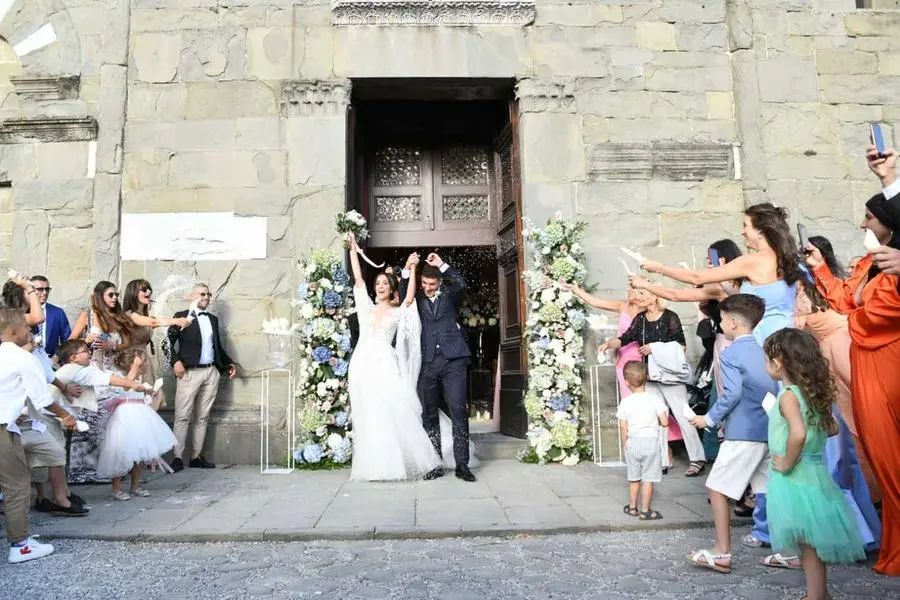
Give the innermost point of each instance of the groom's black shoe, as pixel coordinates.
(434, 474)
(463, 472)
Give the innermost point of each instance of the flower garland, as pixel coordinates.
(554, 333)
(324, 305)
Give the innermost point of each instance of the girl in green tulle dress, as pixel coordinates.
(808, 513)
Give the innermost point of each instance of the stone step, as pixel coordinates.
(496, 446)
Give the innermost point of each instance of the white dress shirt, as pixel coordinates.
(207, 354)
(22, 380)
(891, 190)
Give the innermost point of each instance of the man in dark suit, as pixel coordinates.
(55, 329)
(198, 358)
(445, 357)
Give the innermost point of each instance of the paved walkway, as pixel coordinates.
(240, 504)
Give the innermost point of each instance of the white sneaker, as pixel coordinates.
(31, 550)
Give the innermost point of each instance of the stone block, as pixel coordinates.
(859, 89)
(721, 196)
(691, 11)
(313, 56)
(720, 105)
(68, 259)
(859, 113)
(578, 15)
(148, 102)
(312, 216)
(689, 229)
(258, 134)
(691, 60)
(230, 100)
(787, 80)
(669, 105)
(630, 57)
(216, 134)
(595, 129)
(889, 63)
(674, 197)
(106, 215)
(407, 51)
(540, 201)
(702, 37)
(621, 105)
(18, 162)
(155, 56)
(867, 23)
(813, 23)
(317, 150)
(552, 148)
(798, 128)
(269, 53)
(620, 161)
(247, 202)
(217, 54)
(53, 194)
(799, 166)
(601, 36)
(227, 169)
(640, 229)
(689, 80)
(841, 61)
(564, 60)
(814, 199)
(6, 202)
(172, 19)
(30, 238)
(152, 201)
(656, 36)
(611, 198)
(650, 129)
(146, 170)
(113, 89)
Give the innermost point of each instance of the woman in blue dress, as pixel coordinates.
(770, 271)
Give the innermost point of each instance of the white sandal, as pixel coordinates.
(779, 561)
(121, 495)
(707, 560)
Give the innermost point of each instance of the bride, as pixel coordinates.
(389, 442)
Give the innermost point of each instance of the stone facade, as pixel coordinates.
(662, 117)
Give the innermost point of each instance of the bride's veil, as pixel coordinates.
(409, 349)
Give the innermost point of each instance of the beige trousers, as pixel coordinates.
(194, 397)
(15, 481)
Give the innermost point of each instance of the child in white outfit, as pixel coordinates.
(640, 417)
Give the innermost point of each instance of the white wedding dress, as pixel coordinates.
(389, 442)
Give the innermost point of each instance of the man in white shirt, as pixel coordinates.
(198, 357)
(22, 382)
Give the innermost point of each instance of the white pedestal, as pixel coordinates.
(594, 374)
(265, 417)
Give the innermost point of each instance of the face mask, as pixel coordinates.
(870, 241)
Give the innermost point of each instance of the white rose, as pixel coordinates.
(321, 390)
(310, 268)
(332, 383)
(307, 311)
(535, 305)
(325, 284)
(492, 321)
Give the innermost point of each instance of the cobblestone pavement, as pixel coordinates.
(606, 566)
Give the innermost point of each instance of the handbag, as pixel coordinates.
(686, 367)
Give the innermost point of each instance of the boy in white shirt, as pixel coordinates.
(640, 417)
(22, 382)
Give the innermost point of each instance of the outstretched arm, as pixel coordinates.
(358, 281)
(410, 291)
(736, 270)
(698, 294)
(610, 305)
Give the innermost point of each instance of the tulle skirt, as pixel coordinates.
(135, 434)
(807, 507)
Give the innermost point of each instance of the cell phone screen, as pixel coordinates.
(878, 138)
(803, 235)
(713, 257)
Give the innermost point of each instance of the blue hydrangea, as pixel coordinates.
(332, 299)
(312, 453)
(342, 453)
(321, 354)
(340, 369)
(308, 329)
(298, 455)
(340, 418)
(561, 403)
(339, 275)
(576, 318)
(302, 290)
(344, 343)
(544, 342)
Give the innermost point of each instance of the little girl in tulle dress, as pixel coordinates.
(135, 433)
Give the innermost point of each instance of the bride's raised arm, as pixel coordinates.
(736, 270)
(411, 288)
(358, 281)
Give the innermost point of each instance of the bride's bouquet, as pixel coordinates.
(351, 222)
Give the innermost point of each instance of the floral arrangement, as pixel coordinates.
(554, 333)
(352, 222)
(480, 310)
(324, 303)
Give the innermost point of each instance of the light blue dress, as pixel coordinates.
(780, 299)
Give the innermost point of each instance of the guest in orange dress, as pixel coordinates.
(871, 301)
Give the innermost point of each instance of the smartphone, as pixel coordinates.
(714, 257)
(803, 235)
(878, 139)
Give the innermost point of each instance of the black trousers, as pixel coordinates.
(445, 379)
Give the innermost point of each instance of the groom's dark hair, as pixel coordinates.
(432, 272)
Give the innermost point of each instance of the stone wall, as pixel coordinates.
(656, 121)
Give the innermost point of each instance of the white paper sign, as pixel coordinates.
(193, 236)
(769, 403)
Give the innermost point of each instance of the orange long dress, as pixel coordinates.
(874, 319)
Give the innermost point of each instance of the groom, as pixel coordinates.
(445, 357)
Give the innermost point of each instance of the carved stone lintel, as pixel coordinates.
(314, 98)
(535, 95)
(432, 12)
(48, 129)
(673, 161)
(47, 88)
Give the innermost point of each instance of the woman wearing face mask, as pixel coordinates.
(870, 299)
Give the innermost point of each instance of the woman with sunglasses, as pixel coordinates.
(106, 328)
(136, 306)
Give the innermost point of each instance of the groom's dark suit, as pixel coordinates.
(445, 358)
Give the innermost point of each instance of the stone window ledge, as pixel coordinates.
(432, 12)
(48, 129)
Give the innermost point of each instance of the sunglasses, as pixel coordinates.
(147, 290)
(112, 294)
(204, 294)
(42, 290)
